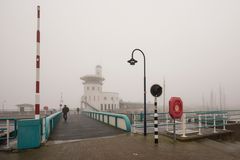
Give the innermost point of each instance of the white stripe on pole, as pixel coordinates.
(38, 48)
(38, 23)
(37, 98)
(37, 74)
(37, 116)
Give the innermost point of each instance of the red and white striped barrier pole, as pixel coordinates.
(37, 96)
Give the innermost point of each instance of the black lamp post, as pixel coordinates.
(132, 61)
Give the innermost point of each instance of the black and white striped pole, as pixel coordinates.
(156, 91)
(155, 122)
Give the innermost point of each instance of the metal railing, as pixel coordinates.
(116, 120)
(8, 130)
(191, 122)
(92, 108)
(50, 123)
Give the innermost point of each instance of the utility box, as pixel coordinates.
(29, 133)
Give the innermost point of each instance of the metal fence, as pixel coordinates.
(8, 131)
(191, 122)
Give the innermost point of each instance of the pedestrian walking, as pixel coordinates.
(65, 111)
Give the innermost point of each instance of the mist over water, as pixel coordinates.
(193, 44)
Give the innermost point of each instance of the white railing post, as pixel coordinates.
(214, 123)
(166, 121)
(224, 127)
(226, 115)
(8, 132)
(44, 130)
(199, 124)
(134, 123)
(205, 117)
(184, 125)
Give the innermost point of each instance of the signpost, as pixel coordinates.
(175, 111)
(156, 91)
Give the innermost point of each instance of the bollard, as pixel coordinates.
(8, 132)
(199, 125)
(155, 122)
(184, 125)
(214, 123)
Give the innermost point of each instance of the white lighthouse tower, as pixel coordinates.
(94, 97)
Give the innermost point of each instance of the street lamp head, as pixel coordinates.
(132, 61)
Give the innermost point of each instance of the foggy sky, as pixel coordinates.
(194, 44)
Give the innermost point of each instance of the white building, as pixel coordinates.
(25, 107)
(93, 95)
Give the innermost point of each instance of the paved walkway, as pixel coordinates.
(79, 126)
(131, 147)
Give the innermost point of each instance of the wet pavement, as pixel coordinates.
(79, 126)
(120, 145)
(131, 147)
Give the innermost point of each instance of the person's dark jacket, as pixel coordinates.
(65, 110)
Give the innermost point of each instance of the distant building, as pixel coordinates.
(25, 107)
(134, 107)
(94, 96)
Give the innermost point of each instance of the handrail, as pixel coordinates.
(90, 106)
(51, 122)
(195, 121)
(13, 133)
(9, 134)
(97, 115)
